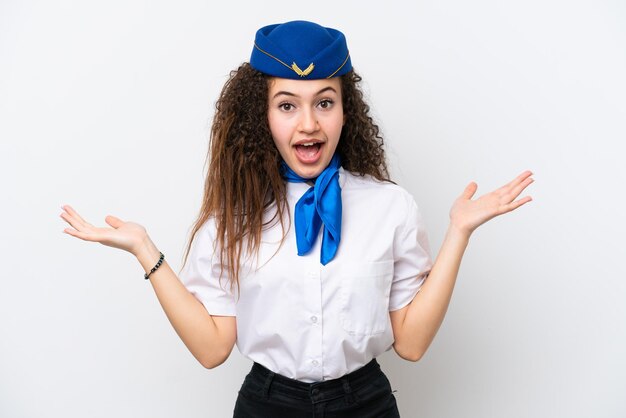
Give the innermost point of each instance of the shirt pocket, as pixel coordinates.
(364, 292)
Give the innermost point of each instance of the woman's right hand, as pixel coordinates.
(128, 236)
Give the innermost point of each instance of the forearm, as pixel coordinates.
(199, 331)
(424, 315)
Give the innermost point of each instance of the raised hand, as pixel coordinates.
(127, 236)
(467, 215)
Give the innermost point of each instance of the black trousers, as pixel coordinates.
(364, 393)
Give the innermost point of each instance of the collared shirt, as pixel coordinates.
(312, 322)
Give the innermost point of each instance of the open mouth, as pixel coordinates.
(309, 152)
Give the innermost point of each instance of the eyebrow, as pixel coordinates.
(288, 93)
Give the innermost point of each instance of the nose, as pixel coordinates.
(308, 121)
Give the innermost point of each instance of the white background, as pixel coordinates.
(106, 106)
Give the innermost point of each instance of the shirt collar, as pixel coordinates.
(297, 189)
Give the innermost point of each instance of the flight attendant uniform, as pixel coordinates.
(314, 331)
(314, 323)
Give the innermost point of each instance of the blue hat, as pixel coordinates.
(300, 50)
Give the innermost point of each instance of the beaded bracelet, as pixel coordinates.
(158, 264)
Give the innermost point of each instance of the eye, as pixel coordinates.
(286, 106)
(325, 103)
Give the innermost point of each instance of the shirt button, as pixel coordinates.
(314, 319)
(315, 363)
(312, 275)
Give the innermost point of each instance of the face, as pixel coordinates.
(305, 118)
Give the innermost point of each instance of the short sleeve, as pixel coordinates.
(201, 274)
(412, 259)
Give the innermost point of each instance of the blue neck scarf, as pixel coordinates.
(320, 204)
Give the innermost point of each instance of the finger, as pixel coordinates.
(516, 204)
(79, 234)
(114, 221)
(517, 180)
(522, 176)
(470, 190)
(517, 190)
(75, 223)
(73, 214)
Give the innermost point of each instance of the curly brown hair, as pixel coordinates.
(243, 179)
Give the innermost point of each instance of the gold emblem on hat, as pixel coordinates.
(300, 72)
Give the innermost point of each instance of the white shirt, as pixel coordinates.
(312, 322)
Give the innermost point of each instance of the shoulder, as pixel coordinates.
(208, 227)
(375, 189)
(205, 235)
(381, 199)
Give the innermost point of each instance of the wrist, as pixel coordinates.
(147, 253)
(458, 233)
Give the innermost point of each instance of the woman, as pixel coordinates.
(305, 253)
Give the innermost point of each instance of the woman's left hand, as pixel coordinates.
(466, 215)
